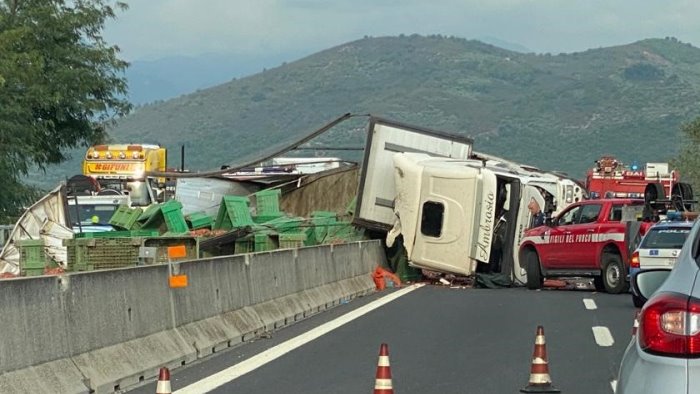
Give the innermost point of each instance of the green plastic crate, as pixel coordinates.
(267, 202)
(287, 224)
(199, 220)
(292, 240)
(344, 232)
(175, 222)
(32, 272)
(170, 206)
(31, 254)
(85, 254)
(125, 217)
(233, 212)
(165, 217)
(244, 245)
(150, 211)
(265, 241)
(322, 220)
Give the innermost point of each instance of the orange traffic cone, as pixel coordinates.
(163, 386)
(540, 382)
(382, 383)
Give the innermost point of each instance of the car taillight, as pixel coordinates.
(669, 325)
(634, 260)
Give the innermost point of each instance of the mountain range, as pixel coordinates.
(557, 112)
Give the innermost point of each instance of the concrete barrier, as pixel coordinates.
(106, 330)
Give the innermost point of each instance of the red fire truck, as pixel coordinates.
(590, 238)
(610, 178)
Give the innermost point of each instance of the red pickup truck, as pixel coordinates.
(589, 238)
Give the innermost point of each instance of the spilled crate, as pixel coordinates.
(87, 254)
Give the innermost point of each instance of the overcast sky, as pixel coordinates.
(152, 29)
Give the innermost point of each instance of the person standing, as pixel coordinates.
(537, 214)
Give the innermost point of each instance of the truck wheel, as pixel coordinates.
(614, 274)
(687, 191)
(534, 273)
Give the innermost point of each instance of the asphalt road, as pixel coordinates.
(441, 340)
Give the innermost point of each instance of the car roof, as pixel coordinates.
(672, 224)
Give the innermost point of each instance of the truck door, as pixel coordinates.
(524, 221)
(575, 239)
(556, 253)
(586, 236)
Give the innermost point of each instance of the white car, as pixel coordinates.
(664, 355)
(659, 248)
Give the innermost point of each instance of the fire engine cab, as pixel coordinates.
(610, 178)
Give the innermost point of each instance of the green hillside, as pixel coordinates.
(557, 112)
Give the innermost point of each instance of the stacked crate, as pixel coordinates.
(87, 254)
(292, 240)
(32, 260)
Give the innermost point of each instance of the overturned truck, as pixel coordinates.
(457, 211)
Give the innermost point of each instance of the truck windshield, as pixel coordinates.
(91, 213)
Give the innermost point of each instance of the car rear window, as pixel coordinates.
(665, 238)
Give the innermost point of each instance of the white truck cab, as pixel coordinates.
(461, 216)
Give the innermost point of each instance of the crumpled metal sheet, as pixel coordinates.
(45, 219)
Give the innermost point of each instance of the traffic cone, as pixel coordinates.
(163, 386)
(382, 383)
(540, 382)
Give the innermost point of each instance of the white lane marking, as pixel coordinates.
(613, 384)
(589, 303)
(602, 336)
(220, 378)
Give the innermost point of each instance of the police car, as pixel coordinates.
(659, 248)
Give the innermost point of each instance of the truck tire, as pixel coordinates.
(534, 273)
(687, 193)
(614, 274)
(652, 193)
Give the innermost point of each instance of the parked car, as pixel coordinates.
(664, 355)
(658, 249)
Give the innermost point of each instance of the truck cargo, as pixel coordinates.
(375, 202)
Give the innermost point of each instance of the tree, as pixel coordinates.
(688, 160)
(60, 85)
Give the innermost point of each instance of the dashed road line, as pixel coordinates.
(589, 303)
(603, 337)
